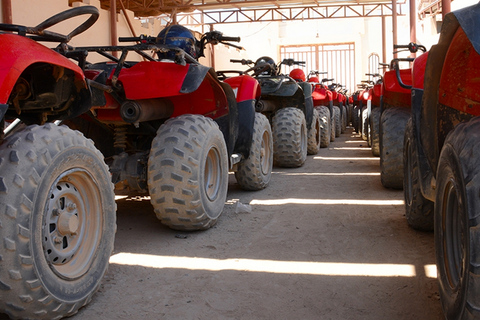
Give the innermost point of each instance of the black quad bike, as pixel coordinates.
(288, 105)
(442, 159)
(165, 126)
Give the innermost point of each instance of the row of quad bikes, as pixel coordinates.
(76, 133)
(172, 128)
(423, 122)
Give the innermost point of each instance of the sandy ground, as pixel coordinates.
(324, 241)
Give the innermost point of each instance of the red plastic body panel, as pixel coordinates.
(393, 93)
(148, 80)
(376, 93)
(418, 71)
(321, 96)
(245, 87)
(17, 53)
(460, 80)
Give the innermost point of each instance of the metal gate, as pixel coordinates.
(337, 60)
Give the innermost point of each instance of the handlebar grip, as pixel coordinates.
(236, 60)
(128, 39)
(400, 46)
(232, 39)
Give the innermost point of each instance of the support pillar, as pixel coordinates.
(394, 23)
(113, 25)
(7, 11)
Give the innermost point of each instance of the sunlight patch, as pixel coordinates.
(267, 266)
(327, 201)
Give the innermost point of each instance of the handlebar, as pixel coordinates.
(412, 47)
(143, 38)
(290, 62)
(243, 61)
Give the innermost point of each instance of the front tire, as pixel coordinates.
(289, 138)
(457, 222)
(188, 173)
(418, 209)
(375, 131)
(57, 213)
(255, 172)
(392, 132)
(338, 120)
(314, 134)
(324, 117)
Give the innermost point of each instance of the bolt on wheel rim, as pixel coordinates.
(72, 224)
(212, 174)
(265, 153)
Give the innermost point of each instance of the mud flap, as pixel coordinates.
(246, 120)
(3, 110)
(194, 78)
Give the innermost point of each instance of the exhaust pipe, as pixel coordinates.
(135, 111)
(265, 105)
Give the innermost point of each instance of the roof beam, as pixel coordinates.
(233, 15)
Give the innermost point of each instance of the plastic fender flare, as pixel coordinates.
(307, 93)
(469, 20)
(428, 105)
(246, 121)
(245, 87)
(20, 56)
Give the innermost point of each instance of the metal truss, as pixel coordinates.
(238, 15)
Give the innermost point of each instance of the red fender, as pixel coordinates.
(149, 80)
(459, 85)
(418, 71)
(393, 93)
(19, 52)
(245, 87)
(377, 93)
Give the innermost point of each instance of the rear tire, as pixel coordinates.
(457, 222)
(314, 134)
(57, 213)
(324, 116)
(188, 173)
(255, 172)
(418, 209)
(344, 119)
(392, 133)
(289, 137)
(375, 131)
(338, 121)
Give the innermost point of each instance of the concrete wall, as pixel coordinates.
(32, 12)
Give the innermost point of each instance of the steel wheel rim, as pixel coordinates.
(454, 236)
(212, 175)
(72, 226)
(265, 153)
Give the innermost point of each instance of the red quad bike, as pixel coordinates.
(372, 98)
(323, 103)
(57, 205)
(442, 160)
(166, 127)
(339, 107)
(395, 112)
(289, 107)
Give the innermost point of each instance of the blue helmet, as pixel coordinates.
(180, 37)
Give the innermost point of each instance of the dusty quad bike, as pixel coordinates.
(169, 128)
(57, 205)
(441, 160)
(323, 102)
(289, 107)
(395, 112)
